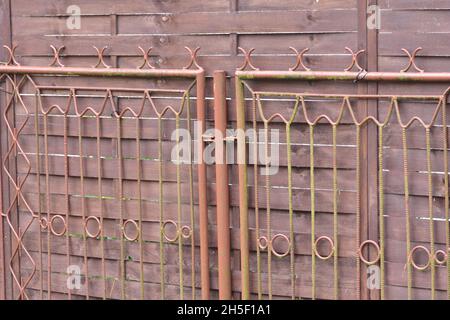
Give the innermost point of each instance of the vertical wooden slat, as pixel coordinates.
(367, 39)
(372, 166)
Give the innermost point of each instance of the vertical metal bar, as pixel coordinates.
(179, 221)
(14, 217)
(100, 201)
(140, 231)
(313, 210)
(67, 199)
(191, 195)
(407, 212)
(202, 198)
(381, 209)
(256, 196)
(268, 209)
(48, 208)
(335, 215)
(430, 211)
(121, 209)
(222, 192)
(291, 207)
(243, 200)
(446, 186)
(358, 210)
(83, 201)
(5, 277)
(161, 210)
(38, 180)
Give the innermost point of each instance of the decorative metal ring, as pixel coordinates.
(377, 247)
(52, 229)
(276, 253)
(134, 223)
(92, 235)
(444, 257)
(332, 247)
(263, 243)
(413, 263)
(163, 230)
(43, 223)
(186, 232)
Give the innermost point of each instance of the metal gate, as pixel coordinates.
(93, 204)
(359, 206)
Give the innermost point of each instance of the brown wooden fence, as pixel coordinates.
(96, 188)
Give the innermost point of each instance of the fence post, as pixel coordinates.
(222, 192)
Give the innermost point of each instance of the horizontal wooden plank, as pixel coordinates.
(397, 275)
(106, 7)
(319, 43)
(415, 21)
(296, 5)
(121, 45)
(433, 44)
(417, 160)
(414, 4)
(394, 205)
(58, 25)
(401, 293)
(429, 64)
(241, 22)
(300, 156)
(420, 229)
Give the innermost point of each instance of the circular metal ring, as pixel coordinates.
(444, 256)
(263, 243)
(43, 223)
(92, 235)
(52, 229)
(185, 229)
(134, 223)
(163, 230)
(413, 263)
(332, 247)
(377, 247)
(276, 253)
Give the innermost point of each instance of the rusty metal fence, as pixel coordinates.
(360, 190)
(90, 183)
(332, 229)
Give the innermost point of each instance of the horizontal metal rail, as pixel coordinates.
(104, 72)
(344, 75)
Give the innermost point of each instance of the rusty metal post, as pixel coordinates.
(203, 205)
(222, 192)
(243, 200)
